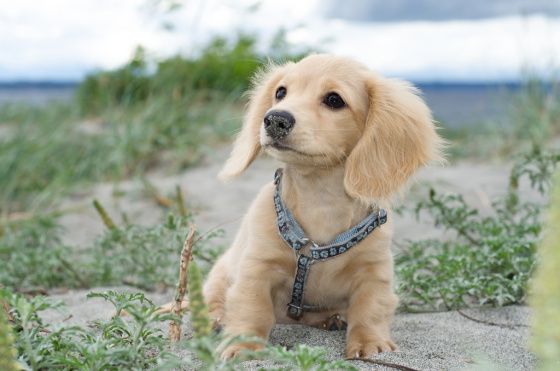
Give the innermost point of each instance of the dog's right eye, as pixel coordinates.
(281, 93)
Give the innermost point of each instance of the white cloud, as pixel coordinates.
(63, 39)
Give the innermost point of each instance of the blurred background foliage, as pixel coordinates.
(148, 113)
(221, 66)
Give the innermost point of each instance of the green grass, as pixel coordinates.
(48, 152)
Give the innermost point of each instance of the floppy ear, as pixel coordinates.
(247, 144)
(399, 136)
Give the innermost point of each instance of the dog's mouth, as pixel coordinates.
(285, 148)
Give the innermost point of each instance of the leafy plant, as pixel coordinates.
(490, 258)
(32, 255)
(114, 344)
(144, 257)
(306, 358)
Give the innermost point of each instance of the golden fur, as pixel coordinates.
(342, 162)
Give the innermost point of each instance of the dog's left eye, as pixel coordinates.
(281, 93)
(334, 101)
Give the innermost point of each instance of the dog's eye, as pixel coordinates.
(281, 93)
(334, 101)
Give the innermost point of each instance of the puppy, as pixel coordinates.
(349, 139)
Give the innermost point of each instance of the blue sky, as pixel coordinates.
(422, 40)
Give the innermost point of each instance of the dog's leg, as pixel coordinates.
(370, 312)
(249, 309)
(215, 290)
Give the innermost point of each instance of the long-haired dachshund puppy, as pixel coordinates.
(314, 247)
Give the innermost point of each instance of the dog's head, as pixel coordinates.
(324, 111)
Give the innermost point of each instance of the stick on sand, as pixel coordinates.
(179, 304)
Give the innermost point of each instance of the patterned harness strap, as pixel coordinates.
(292, 233)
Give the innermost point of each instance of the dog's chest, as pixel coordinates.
(326, 284)
(322, 223)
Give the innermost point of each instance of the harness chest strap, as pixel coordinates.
(292, 233)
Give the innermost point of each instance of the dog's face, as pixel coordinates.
(326, 111)
(317, 112)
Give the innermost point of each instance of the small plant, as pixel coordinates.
(33, 256)
(114, 344)
(490, 258)
(139, 256)
(306, 358)
(142, 256)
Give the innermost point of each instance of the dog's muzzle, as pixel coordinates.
(278, 124)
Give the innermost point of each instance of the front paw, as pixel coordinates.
(366, 347)
(236, 350)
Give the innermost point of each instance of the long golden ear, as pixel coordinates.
(399, 137)
(247, 144)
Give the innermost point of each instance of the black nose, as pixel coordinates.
(278, 124)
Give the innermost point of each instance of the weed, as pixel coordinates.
(490, 258)
(113, 344)
(32, 255)
(145, 257)
(307, 358)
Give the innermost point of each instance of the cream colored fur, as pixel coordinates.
(342, 162)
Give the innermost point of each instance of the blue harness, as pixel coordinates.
(292, 233)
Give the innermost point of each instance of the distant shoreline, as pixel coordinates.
(455, 103)
(47, 84)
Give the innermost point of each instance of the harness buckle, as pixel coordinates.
(295, 312)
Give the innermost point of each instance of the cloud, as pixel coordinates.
(64, 39)
(479, 50)
(436, 10)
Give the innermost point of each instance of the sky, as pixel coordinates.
(421, 40)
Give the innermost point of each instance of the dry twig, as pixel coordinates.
(180, 201)
(107, 220)
(160, 199)
(491, 323)
(382, 363)
(178, 305)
